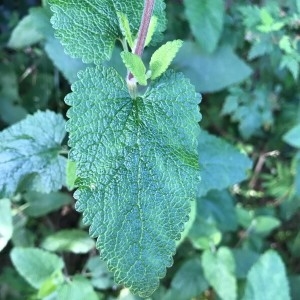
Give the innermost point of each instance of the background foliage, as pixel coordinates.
(242, 240)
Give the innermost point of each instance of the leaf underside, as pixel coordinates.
(137, 169)
(88, 29)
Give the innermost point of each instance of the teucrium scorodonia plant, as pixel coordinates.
(135, 152)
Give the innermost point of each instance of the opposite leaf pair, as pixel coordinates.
(160, 61)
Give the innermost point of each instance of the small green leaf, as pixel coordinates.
(101, 278)
(292, 137)
(41, 204)
(29, 150)
(244, 216)
(71, 174)
(162, 57)
(265, 224)
(25, 34)
(291, 63)
(267, 279)
(268, 23)
(36, 265)
(219, 270)
(49, 286)
(6, 224)
(77, 289)
(219, 206)
(73, 240)
(188, 282)
(151, 30)
(204, 233)
(136, 66)
(125, 28)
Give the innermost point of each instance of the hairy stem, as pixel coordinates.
(142, 34)
(147, 14)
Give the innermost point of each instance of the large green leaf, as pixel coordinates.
(267, 279)
(222, 164)
(36, 265)
(219, 270)
(89, 29)
(31, 147)
(206, 20)
(211, 72)
(137, 168)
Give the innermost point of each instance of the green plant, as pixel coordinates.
(142, 186)
(137, 156)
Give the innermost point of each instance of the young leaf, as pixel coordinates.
(71, 174)
(259, 283)
(125, 28)
(219, 271)
(35, 265)
(162, 57)
(89, 29)
(151, 30)
(136, 66)
(31, 147)
(138, 167)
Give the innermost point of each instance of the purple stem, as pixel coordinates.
(142, 35)
(143, 30)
